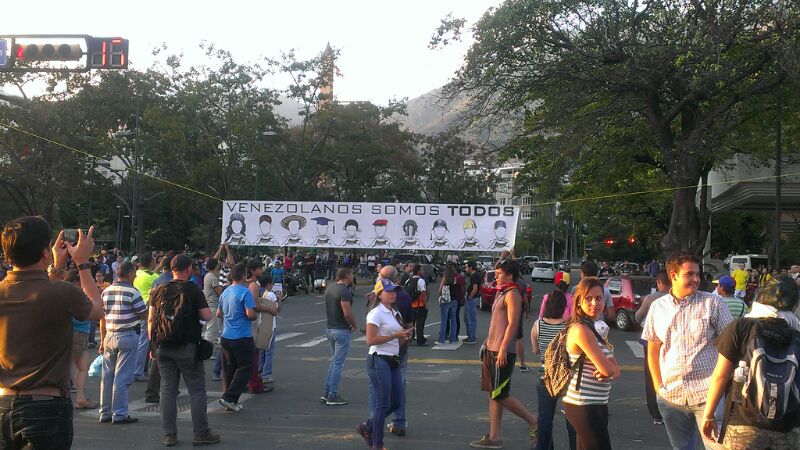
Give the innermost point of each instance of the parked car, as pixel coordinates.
(628, 269)
(488, 291)
(563, 264)
(627, 293)
(749, 261)
(430, 271)
(544, 271)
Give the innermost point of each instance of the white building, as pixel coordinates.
(509, 193)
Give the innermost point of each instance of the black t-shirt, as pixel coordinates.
(474, 280)
(334, 296)
(733, 342)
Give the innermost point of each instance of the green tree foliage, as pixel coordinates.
(680, 74)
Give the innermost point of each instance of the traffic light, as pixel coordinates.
(48, 52)
(107, 53)
(609, 242)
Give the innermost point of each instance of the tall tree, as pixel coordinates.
(572, 68)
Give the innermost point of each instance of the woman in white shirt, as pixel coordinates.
(384, 334)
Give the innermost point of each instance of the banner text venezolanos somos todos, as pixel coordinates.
(410, 226)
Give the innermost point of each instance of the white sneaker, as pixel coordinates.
(234, 407)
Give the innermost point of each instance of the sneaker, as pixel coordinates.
(485, 442)
(524, 369)
(170, 440)
(336, 400)
(365, 433)
(267, 380)
(206, 438)
(658, 421)
(234, 407)
(323, 398)
(396, 430)
(469, 341)
(216, 377)
(125, 420)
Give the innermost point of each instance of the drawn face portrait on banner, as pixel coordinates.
(265, 225)
(409, 239)
(500, 231)
(293, 224)
(437, 234)
(469, 241)
(235, 232)
(323, 228)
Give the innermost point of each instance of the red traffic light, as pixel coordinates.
(48, 52)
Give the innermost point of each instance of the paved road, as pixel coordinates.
(446, 409)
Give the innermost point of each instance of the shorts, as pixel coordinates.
(80, 343)
(497, 380)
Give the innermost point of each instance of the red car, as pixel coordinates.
(488, 291)
(627, 292)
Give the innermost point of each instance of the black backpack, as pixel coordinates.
(771, 394)
(175, 320)
(411, 287)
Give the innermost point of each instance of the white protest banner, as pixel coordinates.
(410, 226)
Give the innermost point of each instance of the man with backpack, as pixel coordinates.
(680, 330)
(418, 290)
(176, 309)
(765, 344)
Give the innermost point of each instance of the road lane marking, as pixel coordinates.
(284, 336)
(309, 323)
(312, 343)
(319, 303)
(636, 348)
(432, 324)
(470, 362)
(451, 346)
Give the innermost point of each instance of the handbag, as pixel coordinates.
(204, 350)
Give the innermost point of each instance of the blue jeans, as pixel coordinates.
(387, 384)
(471, 317)
(683, 424)
(265, 358)
(28, 422)
(142, 350)
(547, 410)
(448, 316)
(400, 414)
(340, 345)
(217, 362)
(119, 364)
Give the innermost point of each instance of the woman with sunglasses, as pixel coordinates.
(586, 400)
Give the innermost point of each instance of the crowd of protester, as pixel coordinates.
(158, 316)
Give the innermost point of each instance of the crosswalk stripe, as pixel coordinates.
(636, 348)
(309, 323)
(311, 343)
(284, 336)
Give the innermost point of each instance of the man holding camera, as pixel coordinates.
(34, 366)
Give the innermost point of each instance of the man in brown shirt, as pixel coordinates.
(34, 365)
(498, 355)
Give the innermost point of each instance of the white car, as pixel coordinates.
(544, 271)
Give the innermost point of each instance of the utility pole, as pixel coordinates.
(778, 151)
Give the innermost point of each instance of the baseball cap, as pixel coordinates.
(561, 276)
(384, 284)
(726, 281)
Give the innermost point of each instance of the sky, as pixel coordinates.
(384, 45)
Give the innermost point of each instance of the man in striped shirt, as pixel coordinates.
(120, 327)
(680, 330)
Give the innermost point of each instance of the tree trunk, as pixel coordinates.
(212, 236)
(685, 229)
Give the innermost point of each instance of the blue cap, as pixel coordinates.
(727, 282)
(388, 285)
(322, 220)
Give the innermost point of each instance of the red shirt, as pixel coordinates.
(287, 263)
